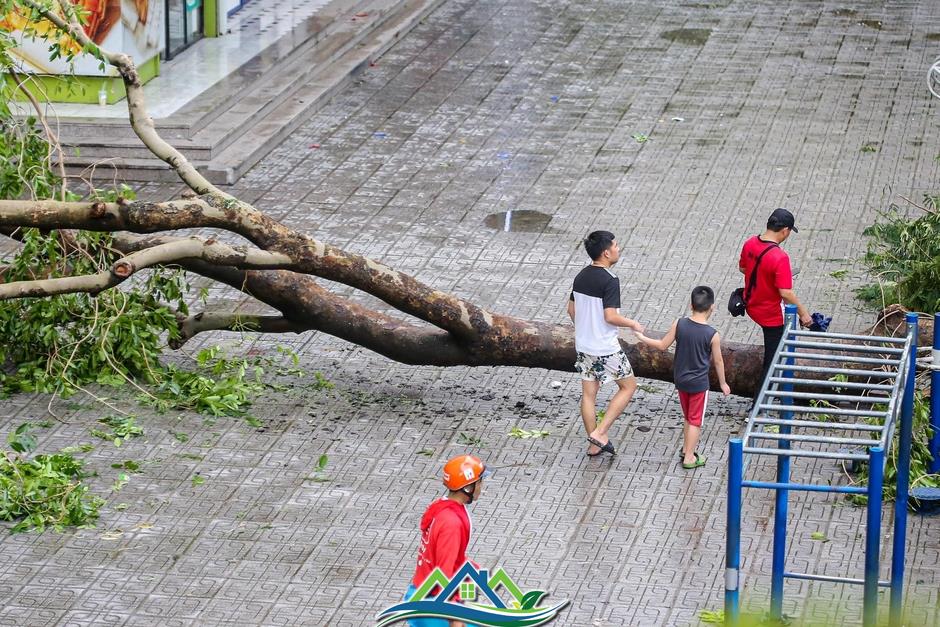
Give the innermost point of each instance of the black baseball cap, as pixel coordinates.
(782, 217)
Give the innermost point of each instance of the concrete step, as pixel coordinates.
(94, 150)
(279, 122)
(205, 127)
(332, 25)
(293, 91)
(219, 97)
(279, 85)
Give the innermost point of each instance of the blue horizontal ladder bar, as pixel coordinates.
(805, 487)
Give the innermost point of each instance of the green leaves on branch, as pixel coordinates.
(122, 428)
(920, 457)
(68, 341)
(24, 155)
(21, 440)
(220, 386)
(29, 21)
(45, 491)
(904, 258)
(225, 390)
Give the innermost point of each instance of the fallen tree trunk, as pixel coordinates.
(509, 341)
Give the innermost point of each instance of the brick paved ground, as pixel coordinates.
(525, 105)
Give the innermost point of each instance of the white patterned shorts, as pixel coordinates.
(603, 368)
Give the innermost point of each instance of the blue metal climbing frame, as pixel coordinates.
(784, 424)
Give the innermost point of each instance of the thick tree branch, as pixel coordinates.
(224, 321)
(124, 268)
(461, 318)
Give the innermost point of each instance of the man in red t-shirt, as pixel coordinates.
(445, 530)
(774, 282)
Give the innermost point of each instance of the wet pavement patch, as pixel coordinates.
(845, 12)
(933, 36)
(688, 36)
(525, 220)
(873, 24)
(723, 4)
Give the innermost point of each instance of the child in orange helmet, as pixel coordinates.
(445, 529)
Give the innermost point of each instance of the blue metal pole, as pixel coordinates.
(876, 465)
(934, 465)
(733, 540)
(903, 479)
(781, 500)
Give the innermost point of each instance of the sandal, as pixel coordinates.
(699, 461)
(605, 448)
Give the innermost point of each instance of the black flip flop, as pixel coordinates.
(605, 448)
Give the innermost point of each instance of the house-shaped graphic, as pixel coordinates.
(521, 610)
(479, 577)
(487, 585)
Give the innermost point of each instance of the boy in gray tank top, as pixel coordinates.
(697, 344)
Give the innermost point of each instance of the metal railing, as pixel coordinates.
(791, 419)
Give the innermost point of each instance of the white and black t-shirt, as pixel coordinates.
(595, 289)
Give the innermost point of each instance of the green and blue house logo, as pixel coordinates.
(471, 584)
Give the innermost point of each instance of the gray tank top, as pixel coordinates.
(693, 355)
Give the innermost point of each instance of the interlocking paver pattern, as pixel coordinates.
(536, 105)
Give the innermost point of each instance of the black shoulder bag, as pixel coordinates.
(737, 303)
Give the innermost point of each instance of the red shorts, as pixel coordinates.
(693, 406)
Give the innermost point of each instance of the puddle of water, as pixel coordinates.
(845, 12)
(873, 24)
(933, 36)
(688, 36)
(524, 220)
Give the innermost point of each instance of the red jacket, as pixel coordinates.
(445, 534)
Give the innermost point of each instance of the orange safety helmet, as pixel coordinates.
(462, 471)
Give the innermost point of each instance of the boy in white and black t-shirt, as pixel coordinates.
(596, 299)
